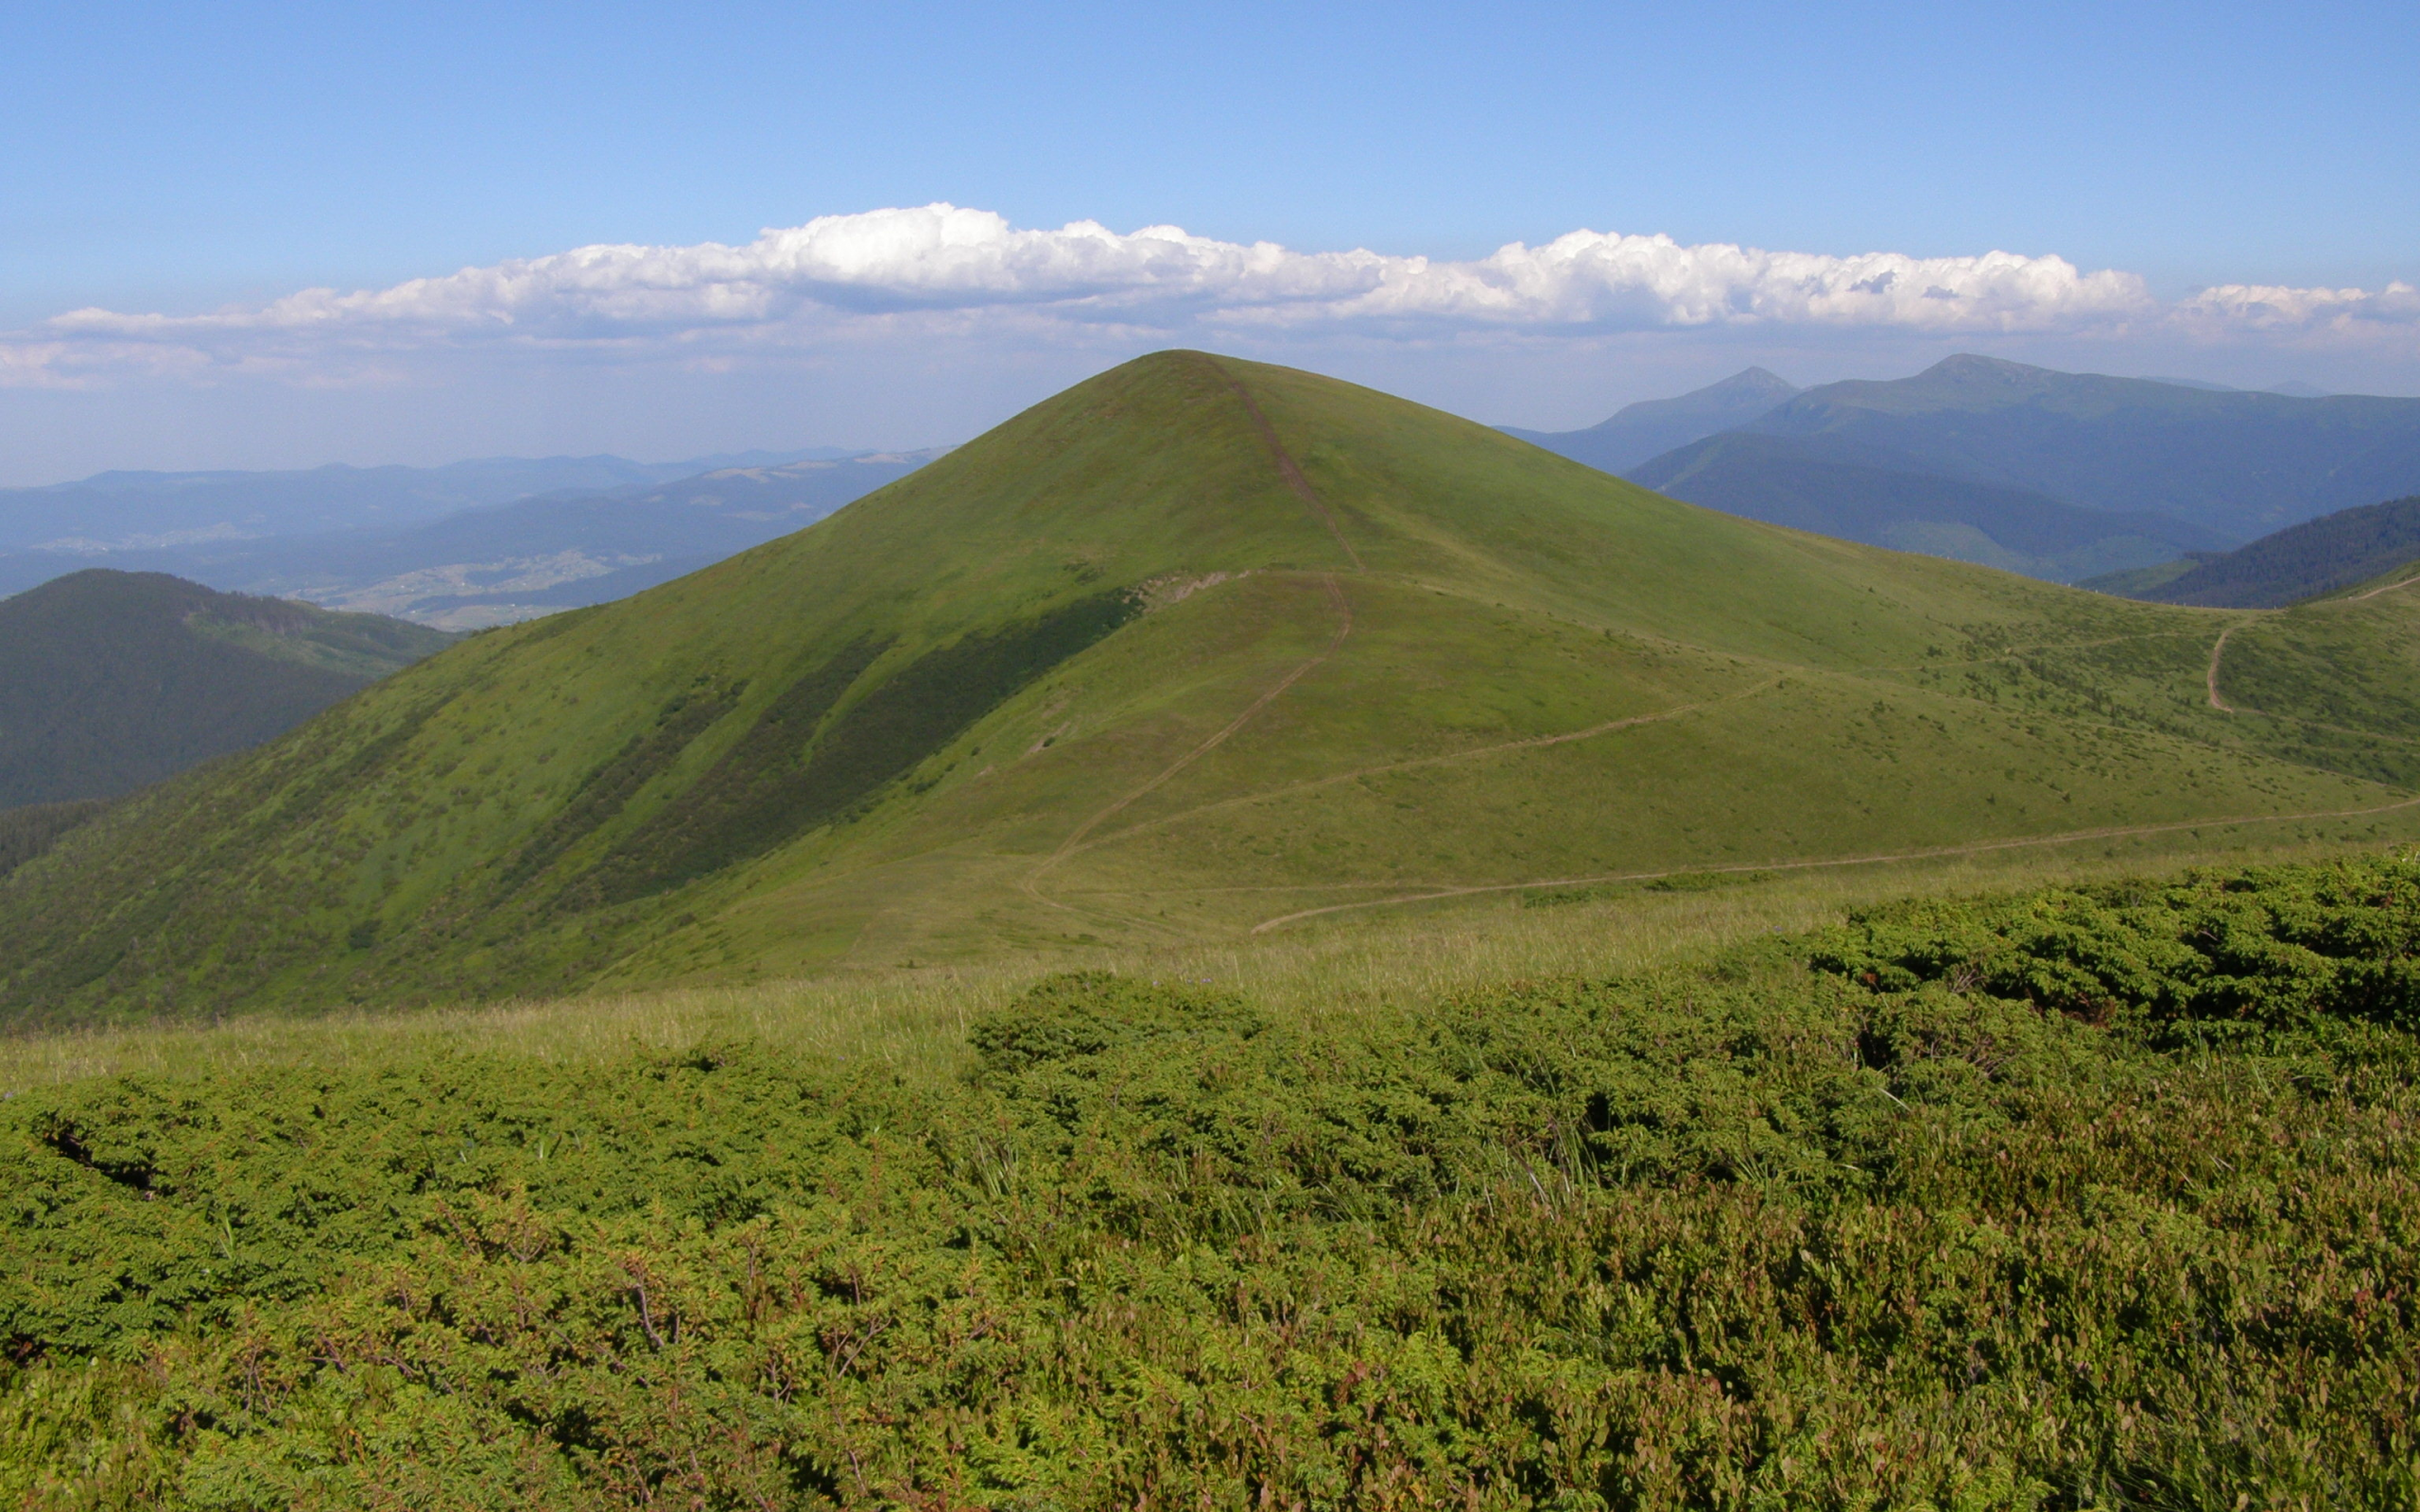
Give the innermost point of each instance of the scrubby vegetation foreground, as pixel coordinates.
(2098, 1197)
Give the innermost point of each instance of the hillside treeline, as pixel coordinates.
(2093, 1196)
(2301, 561)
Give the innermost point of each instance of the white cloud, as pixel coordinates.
(2270, 307)
(942, 269)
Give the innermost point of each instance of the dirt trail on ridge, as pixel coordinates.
(2388, 588)
(1069, 847)
(1286, 467)
(1292, 473)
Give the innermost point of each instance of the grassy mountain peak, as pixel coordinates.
(1197, 648)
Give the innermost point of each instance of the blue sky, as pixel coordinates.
(171, 161)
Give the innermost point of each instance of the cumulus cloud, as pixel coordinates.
(942, 267)
(2270, 307)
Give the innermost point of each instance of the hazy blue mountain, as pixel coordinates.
(2238, 464)
(119, 511)
(111, 680)
(490, 565)
(1654, 426)
(1837, 487)
(2317, 557)
(2291, 389)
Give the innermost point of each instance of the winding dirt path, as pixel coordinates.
(1931, 853)
(2217, 649)
(1289, 470)
(1292, 473)
(1070, 846)
(1530, 743)
(2388, 588)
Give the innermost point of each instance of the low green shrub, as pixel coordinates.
(2093, 1198)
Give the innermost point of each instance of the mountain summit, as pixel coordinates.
(1198, 647)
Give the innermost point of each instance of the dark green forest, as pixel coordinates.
(111, 680)
(28, 832)
(2092, 1196)
(2321, 556)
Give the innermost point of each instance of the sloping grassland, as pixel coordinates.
(1198, 648)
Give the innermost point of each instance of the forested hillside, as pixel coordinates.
(2322, 556)
(110, 681)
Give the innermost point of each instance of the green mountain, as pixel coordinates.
(2322, 556)
(1197, 648)
(110, 680)
(2240, 464)
(1654, 426)
(1841, 487)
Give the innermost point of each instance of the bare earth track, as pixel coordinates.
(1416, 762)
(2388, 588)
(1286, 467)
(1074, 840)
(2217, 649)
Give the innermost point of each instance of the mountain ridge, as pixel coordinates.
(2240, 463)
(1197, 646)
(1860, 492)
(1651, 427)
(491, 562)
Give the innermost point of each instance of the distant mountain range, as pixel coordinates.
(1654, 426)
(110, 681)
(2323, 555)
(437, 546)
(2241, 464)
(1871, 493)
(2062, 475)
(116, 511)
(2059, 476)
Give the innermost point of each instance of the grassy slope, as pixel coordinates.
(111, 680)
(1797, 700)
